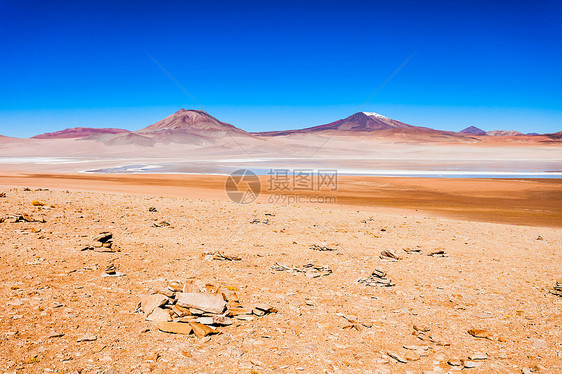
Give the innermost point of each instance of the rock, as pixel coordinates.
(557, 289)
(388, 254)
(478, 356)
(152, 209)
(165, 291)
(159, 315)
(110, 270)
(539, 237)
(377, 278)
(240, 311)
(526, 371)
(265, 307)
(175, 327)
(322, 248)
(437, 253)
(181, 311)
(467, 364)
(477, 333)
(222, 257)
(454, 362)
(421, 328)
(208, 302)
(396, 357)
(161, 224)
(151, 302)
(175, 286)
(54, 334)
(87, 337)
(103, 237)
(201, 330)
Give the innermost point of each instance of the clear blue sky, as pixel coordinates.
(280, 64)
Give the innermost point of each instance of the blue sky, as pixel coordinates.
(280, 64)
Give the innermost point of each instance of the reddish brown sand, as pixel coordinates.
(496, 278)
(532, 202)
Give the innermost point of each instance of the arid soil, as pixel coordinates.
(531, 202)
(487, 304)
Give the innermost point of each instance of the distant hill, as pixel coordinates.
(472, 130)
(78, 132)
(504, 133)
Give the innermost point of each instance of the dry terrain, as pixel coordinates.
(486, 304)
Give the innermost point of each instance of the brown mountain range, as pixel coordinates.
(198, 128)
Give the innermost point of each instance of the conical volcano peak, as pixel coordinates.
(375, 115)
(191, 120)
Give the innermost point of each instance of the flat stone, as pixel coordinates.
(222, 320)
(477, 333)
(239, 311)
(175, 327)
(265, 307)
(175, 286)
(165, 291)
(478, 356)
(454, 362)
(103, 237)
(159, 315)
(205, 320)
(54, 334)
(396, 357)
(208, 302)
(87, 337)
(201, 330)
(151, 302)
(467, 364)
(181, 311)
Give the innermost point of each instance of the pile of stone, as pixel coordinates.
(111, 271)
(309, 270)
(197, 308)
(377, 278)
(322, 248)
(2, 194)
(389, 255)
(16, 218)
(557, 289)
(102, 243)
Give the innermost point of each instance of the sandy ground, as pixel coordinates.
(495, 278)
(531, 202)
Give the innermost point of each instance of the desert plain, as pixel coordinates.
(471, 287)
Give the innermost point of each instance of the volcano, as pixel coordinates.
(473, 130)
(192, 121)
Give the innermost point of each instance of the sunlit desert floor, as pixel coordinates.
(59, 314)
